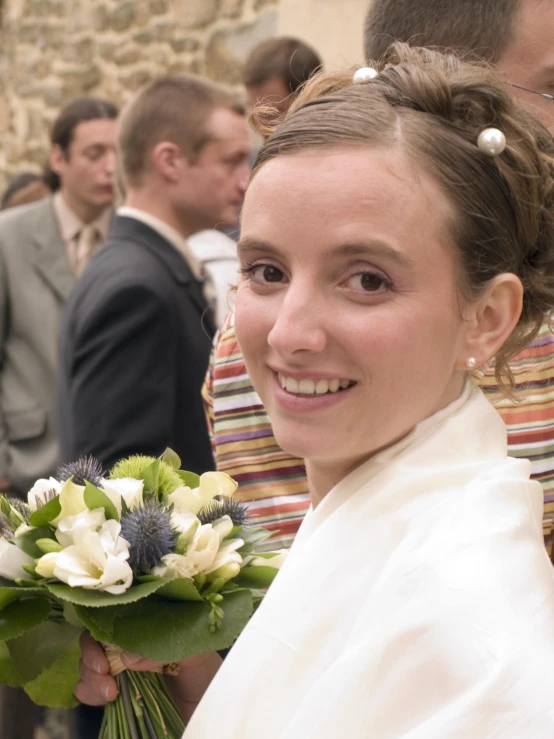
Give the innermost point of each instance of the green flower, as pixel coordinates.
(168, 479)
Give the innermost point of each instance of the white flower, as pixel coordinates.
(72, 528)
(46, 565)
(227, 561)
(199, 556)
(183, 521)
(12, 559)
(22, 529)
(97, 561)
(39, 489)
(275, 562)
(72, 500)
(211, 484)
(124, 487)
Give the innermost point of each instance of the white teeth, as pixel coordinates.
(322, 387)
(306, 387)
(312, 387)
(292, 385)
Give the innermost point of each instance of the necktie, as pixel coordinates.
(87, 242)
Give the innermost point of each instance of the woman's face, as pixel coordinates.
(347, 310)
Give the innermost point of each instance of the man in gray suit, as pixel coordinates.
(44, 246)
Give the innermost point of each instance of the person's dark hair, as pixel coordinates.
(174, 108)
(62, 133)
(289, 59)
(480, 27)
(434, 107)
(25, 187)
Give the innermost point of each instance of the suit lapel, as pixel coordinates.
(50, 255)
(130, 228)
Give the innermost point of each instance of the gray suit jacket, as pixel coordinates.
(35, 280)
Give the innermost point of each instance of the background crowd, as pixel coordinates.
(117, 264)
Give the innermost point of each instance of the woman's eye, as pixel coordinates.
(263, 273)
(369, 282)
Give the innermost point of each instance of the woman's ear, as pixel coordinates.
(493, 317)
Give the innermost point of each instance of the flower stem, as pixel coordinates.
(128, 705)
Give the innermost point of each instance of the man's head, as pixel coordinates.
(276, 68)
(515, 35)
(185, 138)
(82, 157)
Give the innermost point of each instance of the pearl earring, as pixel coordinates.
(470, 362)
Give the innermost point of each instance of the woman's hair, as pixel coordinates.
(434, 107)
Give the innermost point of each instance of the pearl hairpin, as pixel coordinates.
(364, 74)
(470, 362)
(492, 142)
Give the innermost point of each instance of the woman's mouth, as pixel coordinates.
(314, 386)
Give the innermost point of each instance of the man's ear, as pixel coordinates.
(56, 159)
(492, 318)
(168, 160)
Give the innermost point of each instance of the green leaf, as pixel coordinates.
(22, 615)
(27, 541)
(39, 648)
(256, 577)
(100, 599)
(46, 513)
(171, 458)
(191, 479)
(150, 476)
(8, 675)
(182, 589)
(55, 685)
(252, 537)
(10, 593)
(170, 631)
(96, 498)
(88, 616)
(234, 533)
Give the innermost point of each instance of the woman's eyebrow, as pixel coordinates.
(352, 249)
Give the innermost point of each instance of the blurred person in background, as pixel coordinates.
(44, 246)
(272, 74)
(26, 187)
(136, 334)
(516, 36)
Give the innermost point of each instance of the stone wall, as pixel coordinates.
(54, 50)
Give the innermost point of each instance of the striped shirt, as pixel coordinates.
(275, 483)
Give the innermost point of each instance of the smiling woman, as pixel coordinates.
(385, 251)
(388, 249)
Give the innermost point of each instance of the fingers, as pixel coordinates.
(135, 662)
(95, 689)
(92, 655)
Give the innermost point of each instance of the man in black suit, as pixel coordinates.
(136, 333)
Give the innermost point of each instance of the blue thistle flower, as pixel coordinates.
(85, 468)
(150, 535)
(224, 506)
(6, 531)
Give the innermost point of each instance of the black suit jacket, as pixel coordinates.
(134, 349)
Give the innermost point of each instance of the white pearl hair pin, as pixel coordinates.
(364, 74)
(491, 142)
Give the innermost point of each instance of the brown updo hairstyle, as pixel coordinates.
(435, 106)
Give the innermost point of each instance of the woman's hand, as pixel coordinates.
(97, 687)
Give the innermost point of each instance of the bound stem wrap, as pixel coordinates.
(113, 653)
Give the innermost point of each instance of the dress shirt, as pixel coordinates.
(79, 252)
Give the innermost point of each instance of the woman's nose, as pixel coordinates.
(299, 325)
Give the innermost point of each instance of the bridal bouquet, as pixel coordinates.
(150, 559)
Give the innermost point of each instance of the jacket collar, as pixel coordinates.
(50, 254)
